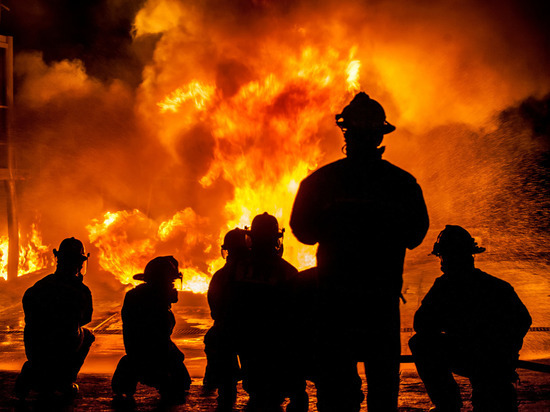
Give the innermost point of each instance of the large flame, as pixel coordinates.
(235, 106)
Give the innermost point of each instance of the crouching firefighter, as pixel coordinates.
(147, 324)
(56, 309)
(472, 324)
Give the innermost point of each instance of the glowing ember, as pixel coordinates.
(33, 255)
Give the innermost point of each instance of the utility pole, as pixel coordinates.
(7, 152)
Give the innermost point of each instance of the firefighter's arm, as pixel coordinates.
(87, 306)
(304, 220)
(429, 316)
(417, 218)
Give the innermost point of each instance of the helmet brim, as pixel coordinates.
(388, 128)
(139, 276)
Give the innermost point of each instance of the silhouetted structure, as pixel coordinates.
(222, 369)
(56, 308)
(260, 312)
(147, 324)
(364, 212)
(469, 323)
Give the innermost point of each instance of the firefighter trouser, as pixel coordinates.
(168, 374)
(370, 334)
(49, 369)
(437, 357)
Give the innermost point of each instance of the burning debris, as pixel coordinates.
(33, 255)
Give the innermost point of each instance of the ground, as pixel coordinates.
(530, 280)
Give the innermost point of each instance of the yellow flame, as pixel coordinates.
(199, 93)
(128, 240)
(353, 75)
(194, 281)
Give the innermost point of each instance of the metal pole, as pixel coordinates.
(13, 223)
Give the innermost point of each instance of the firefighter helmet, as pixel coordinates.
(234, 242)
(160, 268)
(71, 249)
(455, 240)
(265, 227)
(364, 113)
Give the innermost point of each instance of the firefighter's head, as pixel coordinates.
(234, 244)
(70, 256)
(265, 233)
(162, 270)
(363, 122)
(456, 247)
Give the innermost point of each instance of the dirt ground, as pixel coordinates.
(95, 395)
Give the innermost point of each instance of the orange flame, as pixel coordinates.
(33, 255)
(266, 142)
(127, 240)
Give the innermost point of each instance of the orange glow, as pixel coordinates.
(33, 255)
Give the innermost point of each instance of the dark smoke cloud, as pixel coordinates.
(98, 32)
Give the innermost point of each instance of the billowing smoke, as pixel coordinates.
(189, 108)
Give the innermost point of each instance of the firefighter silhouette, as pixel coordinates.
(222, 369)
(469, 323)
(364, 213)
(260, 314)
(152, 358)
(56, 309)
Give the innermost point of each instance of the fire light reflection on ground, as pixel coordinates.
(530, 280)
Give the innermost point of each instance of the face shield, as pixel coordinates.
(180, 278)
(84, 268)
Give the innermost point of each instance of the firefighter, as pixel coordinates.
(364, 213)
(152, 358)
(56, 309)
(260, 314)
(469, 323)
(222, 369)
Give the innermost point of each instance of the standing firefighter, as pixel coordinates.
(222, 369)
(364, 212)
(469, 323)
(56, 308)
(147, 324)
